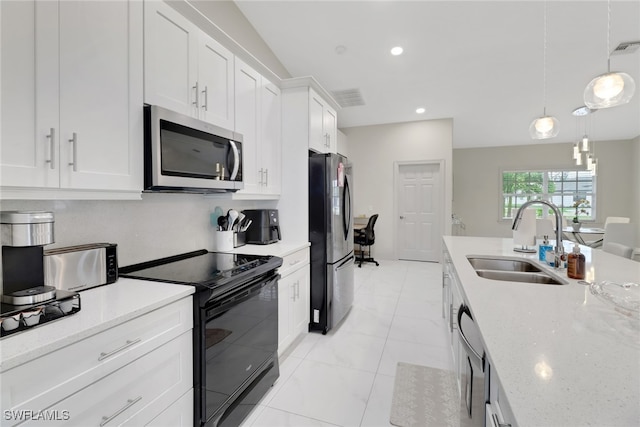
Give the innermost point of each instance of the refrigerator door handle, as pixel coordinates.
(346, 202)
(346, 262)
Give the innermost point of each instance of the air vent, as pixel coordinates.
(625, 48)
(348, 97)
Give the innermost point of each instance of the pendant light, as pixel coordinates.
(611, 88)
(544, 127)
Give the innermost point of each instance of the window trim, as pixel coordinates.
(545, 196)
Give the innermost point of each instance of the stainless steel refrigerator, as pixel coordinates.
(331, 237)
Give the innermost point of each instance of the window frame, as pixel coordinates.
(568, 211)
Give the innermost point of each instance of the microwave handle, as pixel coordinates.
(236, 160)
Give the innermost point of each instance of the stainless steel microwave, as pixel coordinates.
(184, 154)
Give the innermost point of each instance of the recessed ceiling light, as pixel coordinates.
(397, 51)
(420, 110)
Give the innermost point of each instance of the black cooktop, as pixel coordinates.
(206, 270)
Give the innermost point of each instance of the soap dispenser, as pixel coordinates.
(543, 248)
(576, 264)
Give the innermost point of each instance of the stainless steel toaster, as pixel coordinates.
(76, 268)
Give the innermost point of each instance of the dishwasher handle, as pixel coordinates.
(464, 311)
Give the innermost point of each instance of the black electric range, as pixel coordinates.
(235, 334)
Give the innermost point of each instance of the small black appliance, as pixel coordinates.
(264, 228)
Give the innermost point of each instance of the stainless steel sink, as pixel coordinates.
(512, 270)
(502, 264)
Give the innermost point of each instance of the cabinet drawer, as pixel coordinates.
(179, 414)
(294, 261)
(134, 394)
(44, 381)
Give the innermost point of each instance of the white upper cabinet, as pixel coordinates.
(247, 94)
(72, 95)
(259, 120)
(323, 130)
(271, 133)
(186, 70)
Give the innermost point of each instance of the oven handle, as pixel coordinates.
(235, 298)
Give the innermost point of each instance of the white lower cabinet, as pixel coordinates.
(179, 414)
(293, 298)
(134, 394)
(126, 375)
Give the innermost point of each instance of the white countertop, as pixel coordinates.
(101, 308)
(563, 356)
(279, 249)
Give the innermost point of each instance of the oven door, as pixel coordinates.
(240, 350)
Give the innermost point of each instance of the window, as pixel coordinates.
(562, 188)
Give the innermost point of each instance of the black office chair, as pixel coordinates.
(366, 237)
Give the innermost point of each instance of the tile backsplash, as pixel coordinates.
(158, 225)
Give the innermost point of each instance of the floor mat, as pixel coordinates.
(424, 397)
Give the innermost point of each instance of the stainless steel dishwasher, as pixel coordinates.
(472, 380)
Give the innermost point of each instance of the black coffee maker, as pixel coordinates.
(24, 233)
(264, 228)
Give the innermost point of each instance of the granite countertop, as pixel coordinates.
(563, 356)
(101, 308)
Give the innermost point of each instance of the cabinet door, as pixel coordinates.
(101, 95)
(271, 137)
(29, 87)
(215, 83)
(317, 140)
(300, 312)
(170, 58)
(330, 128)
(247, 93)
(284, 313)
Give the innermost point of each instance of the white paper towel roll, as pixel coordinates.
(525, 235)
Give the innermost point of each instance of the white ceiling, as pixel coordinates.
(478, 62)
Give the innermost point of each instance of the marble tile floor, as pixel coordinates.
(346, 378)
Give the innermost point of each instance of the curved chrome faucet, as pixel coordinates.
(559, 249)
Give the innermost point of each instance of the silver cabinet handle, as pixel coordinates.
(297, 289)
(266, 177)
(261, 172)
(293, 292)
(295, 262)
(74, 149)
(126, 345)
(453, 313)
(206, 99)
(197, 97)
(129, 404)
(52, 148)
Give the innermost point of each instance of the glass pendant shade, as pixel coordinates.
(594, 167)
(576, 151)
(584, 144)
(544, 127)
(589, 162)
(579, 160)
(609, 90)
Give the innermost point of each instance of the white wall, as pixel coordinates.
(634, 185)
(343, 144)
(477, 180)
(373, 151)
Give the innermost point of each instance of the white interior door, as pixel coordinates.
(419, 207)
